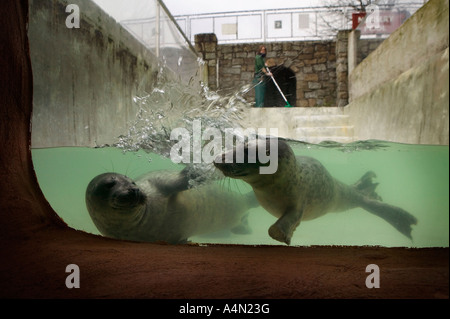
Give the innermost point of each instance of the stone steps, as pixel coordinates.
(321, 120)
(324, 124)
(308, 124)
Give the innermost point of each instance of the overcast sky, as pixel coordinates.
(135, 9)
(181, 7)
(138, 9)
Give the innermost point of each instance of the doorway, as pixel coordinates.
(287, 82)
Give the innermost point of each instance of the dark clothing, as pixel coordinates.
(260, 90)
(259, 81)
(259, 65)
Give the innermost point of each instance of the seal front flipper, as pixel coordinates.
(175, 182)
(284, 227)
(243, 228)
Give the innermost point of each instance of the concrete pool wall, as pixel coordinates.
(85, 78)
(400, 92)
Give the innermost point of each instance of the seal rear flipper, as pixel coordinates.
(396, 216)
(366, 186)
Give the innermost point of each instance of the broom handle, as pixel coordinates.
(276, 84)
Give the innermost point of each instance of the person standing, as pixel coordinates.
(260, 73)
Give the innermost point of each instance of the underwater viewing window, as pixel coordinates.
(107, 96)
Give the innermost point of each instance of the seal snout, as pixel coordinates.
(135, 194)
(130, 196)
(219, 163)
(228, 169)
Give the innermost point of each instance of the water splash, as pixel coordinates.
(172, 104)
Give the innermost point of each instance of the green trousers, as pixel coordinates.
(260, 91)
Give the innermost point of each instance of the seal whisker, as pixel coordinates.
(105, 170)
(237, 186)
(128, 166)
(132, 171)
(226, 183)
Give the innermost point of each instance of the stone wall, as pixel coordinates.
(320, 68)
(231, 67)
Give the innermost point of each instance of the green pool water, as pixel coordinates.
(413, 177)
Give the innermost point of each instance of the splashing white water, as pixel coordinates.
(171, 105)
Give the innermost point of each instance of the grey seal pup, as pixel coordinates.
(303, 189)
(160, 206)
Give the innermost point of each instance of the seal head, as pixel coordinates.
(117, 197)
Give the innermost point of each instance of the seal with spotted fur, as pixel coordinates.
(160, 206)
(302, 189)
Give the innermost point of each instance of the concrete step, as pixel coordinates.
(321, 120)
(319, 110)
(311, 124)
(315, 125)
(324, 131)
(318, 139)
(340, 134)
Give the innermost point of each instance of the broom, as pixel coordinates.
(276, 84)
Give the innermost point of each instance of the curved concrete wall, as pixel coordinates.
(84, 78)
(400, 91)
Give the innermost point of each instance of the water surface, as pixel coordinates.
(413, 177)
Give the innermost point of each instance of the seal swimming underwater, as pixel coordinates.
(160, 206)
(302, 189)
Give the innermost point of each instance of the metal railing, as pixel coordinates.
(162, 35)
(295, 24)
(260, 25)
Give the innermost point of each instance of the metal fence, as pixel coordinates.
(161, 34)
(161, 30)
(261, 25)
(298, 24)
